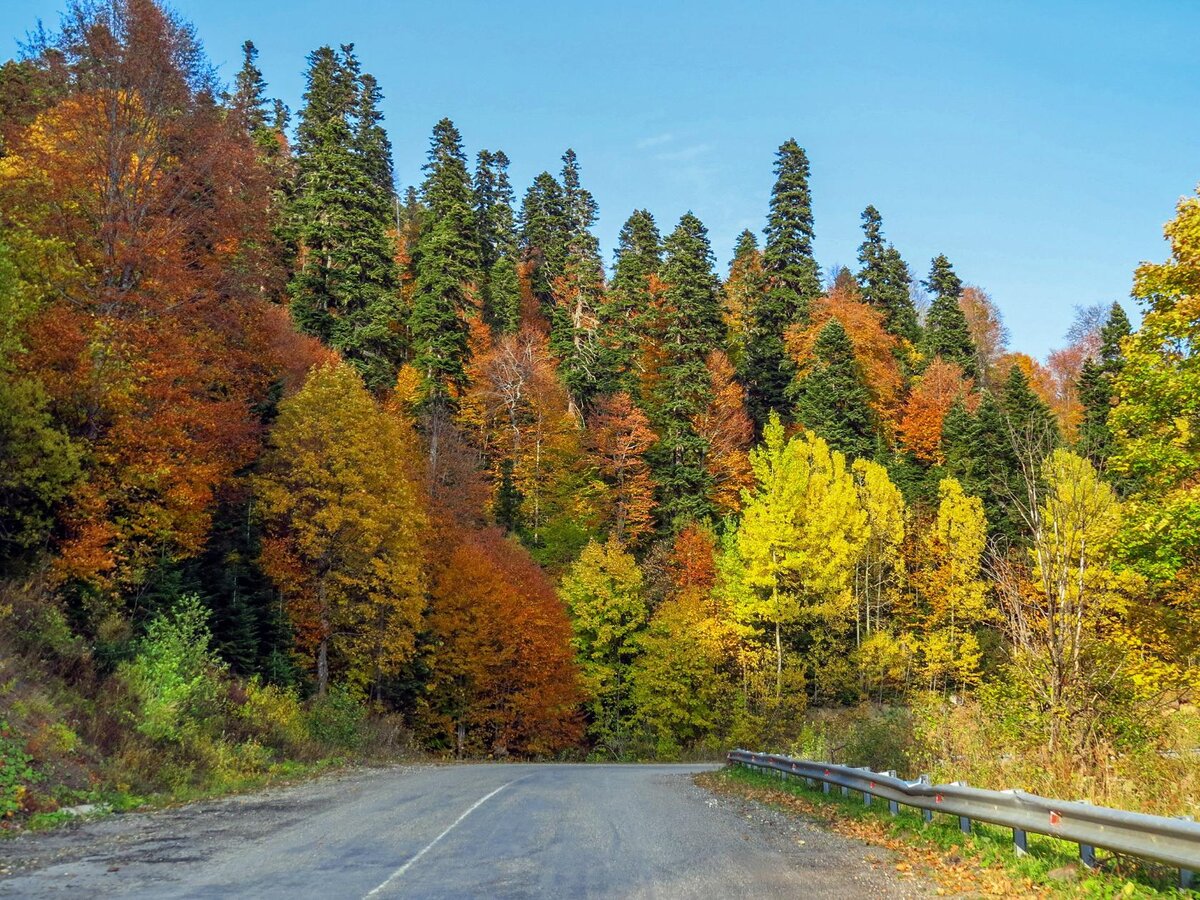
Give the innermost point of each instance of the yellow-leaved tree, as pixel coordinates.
(1075, 650)
(801, 532)
(344, 527)
(947, 578)
(881, 658)
(879, 572)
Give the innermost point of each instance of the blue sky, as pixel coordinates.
(1041, 146)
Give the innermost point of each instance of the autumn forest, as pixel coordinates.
(299, 462)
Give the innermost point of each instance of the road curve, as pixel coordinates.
(496, 831)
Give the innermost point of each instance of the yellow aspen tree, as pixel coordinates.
(955, 596)
(802, 529)
(879, 570)
(1067, 610)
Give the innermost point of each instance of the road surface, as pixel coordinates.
(495, 831)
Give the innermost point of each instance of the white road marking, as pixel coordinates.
(404, 868)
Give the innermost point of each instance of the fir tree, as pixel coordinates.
(447, 269)
(373, 147)
(956, 439)
(576, 291)
(793, 281)
(1114, 331)
(979, 453)
(693, 324)
(622, 315)
(832, 400)
(1030, 419)
(249, 99)
(1096, 391)
(545, 233)
(884, 279)
(506, 508)
(346, 289)
(1006, 440)
(581, 209)
(500, 290)
(946, 331)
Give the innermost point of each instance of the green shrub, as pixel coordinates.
(881, 741)
(337, 719)
(16, 773)
(175, 676)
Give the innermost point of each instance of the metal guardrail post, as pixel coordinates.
(964, 822)
(926, 814)
(1087, 855)
(1187, 877)
(1020, 842)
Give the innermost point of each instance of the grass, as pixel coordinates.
(108, 801)
(982, 862)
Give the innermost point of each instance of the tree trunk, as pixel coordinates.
(778, 664)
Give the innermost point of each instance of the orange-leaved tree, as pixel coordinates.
(728, 433)
(617, 439)
(152, 353)
(920, 427)
(502, 673)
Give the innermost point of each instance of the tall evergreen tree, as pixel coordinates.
(832, 400)
(545, 233)
(578, 291)
(793, 282)
(884, 279)
(447, 269)
(622, 316)
(1029, 417)
(580, 206)
(249, 98)
(346, 288)
(500, 289)
(1009, 435)
(373, 147)
(946, 331)
(1096, 391)
(693, 326)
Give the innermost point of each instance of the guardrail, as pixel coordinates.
(1175, 842)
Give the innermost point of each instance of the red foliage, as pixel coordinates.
(503, 674)
(159, 347)
(729, 432)
(920, 428)
(617, 440)
(692, 567)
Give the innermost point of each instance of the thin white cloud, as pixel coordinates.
(684, 154)
(656, 140)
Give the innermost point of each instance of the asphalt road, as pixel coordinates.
(493, 831)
